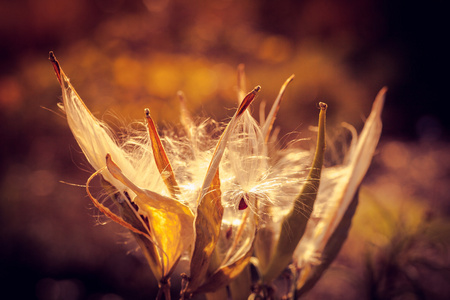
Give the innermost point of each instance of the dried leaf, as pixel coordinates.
(93, 136)
(108, 212)
(294, 223)
(161, 159)
(342, 183)
(129, 215)
(359, 162)
(95, 141)
(325, 236)
(143, 238)
(56, 66)
(170, 222)
(220, 148)
(207, 229)
(267, 127)
(210, 210)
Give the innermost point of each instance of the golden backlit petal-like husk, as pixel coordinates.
(294, 224)
(129, 215)
(210, 211)
(335, 200)
(93, 137)
(338, 190)
(268, 123)
(170, 222)
(359, 163)
(161, 159)
(207, 229)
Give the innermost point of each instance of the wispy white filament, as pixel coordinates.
(246, 163)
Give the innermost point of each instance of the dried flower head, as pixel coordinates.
(224, 201)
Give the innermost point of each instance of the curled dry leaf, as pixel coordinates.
(169, 221)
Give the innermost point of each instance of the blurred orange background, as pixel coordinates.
(124, 56)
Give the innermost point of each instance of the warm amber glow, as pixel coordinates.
(124, 56)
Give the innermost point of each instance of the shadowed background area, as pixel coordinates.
(123, 56)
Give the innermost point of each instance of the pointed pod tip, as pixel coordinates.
(109, 162)
(323, 106)
(382, 92)
(147, 112)
(51, 56)
(111, 166)
(247, 100)
(378, 104)
(56, 66)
